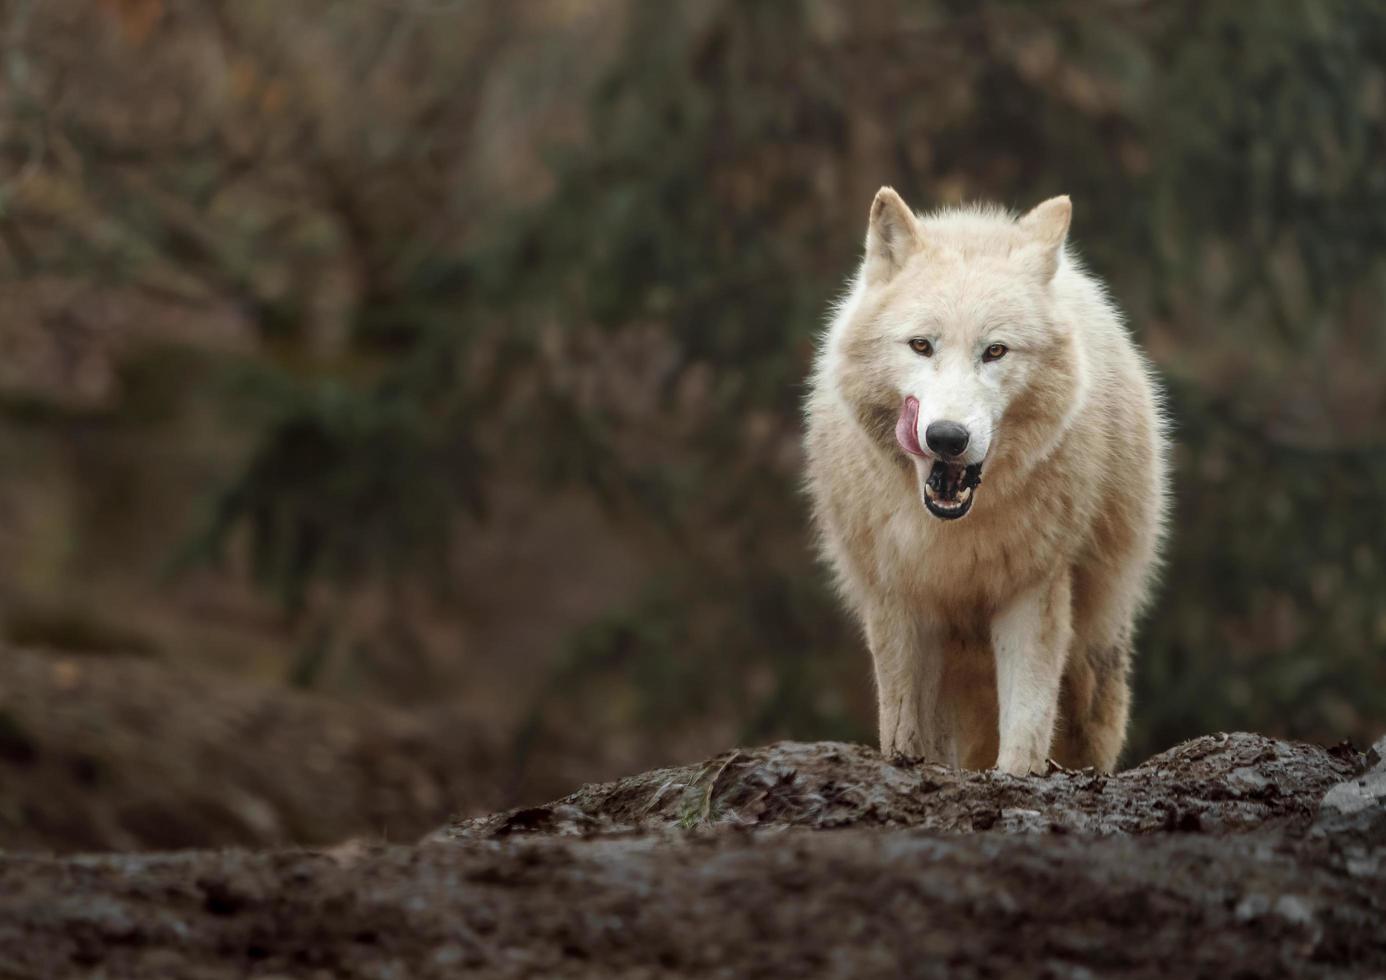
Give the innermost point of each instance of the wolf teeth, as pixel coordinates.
(952, 501)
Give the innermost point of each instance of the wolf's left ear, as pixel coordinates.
(1047, 227)
(892, 235)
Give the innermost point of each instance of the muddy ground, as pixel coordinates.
(1231, 855)
(122, 753)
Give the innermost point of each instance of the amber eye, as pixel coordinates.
(922, 347)
(995, 352)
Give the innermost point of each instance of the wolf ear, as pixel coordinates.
(1047, 228)
(892, 236)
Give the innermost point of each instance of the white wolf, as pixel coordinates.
(987, 462)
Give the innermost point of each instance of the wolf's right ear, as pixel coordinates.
(892, 236)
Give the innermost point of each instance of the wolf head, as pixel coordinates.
(949, 352)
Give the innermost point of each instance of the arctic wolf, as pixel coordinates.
(986, 458)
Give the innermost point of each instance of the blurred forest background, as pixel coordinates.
(426, 373)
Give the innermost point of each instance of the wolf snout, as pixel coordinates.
(947, 439)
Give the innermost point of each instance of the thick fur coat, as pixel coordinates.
(987, 464)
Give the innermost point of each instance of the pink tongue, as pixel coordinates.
(907, 428)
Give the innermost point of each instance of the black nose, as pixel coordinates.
(948, 439)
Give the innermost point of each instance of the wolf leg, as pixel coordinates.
(1030, 638)
(969, 700)
(908, 666)
(1093, 706)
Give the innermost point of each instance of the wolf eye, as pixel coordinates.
(995, 352)
(922, 347)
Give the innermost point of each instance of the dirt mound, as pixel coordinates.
(1076, 875)
(1217, 783)
(125, 753)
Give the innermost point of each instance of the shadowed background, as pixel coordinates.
(399, 398)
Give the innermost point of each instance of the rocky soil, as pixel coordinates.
(1231, 855)
(104, 752)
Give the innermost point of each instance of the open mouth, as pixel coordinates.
(949, 490)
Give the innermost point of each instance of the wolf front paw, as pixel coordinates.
(904, 754)
(906, 748)
(901, 738)
(1022, 763)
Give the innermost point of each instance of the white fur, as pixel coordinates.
(985, 630)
